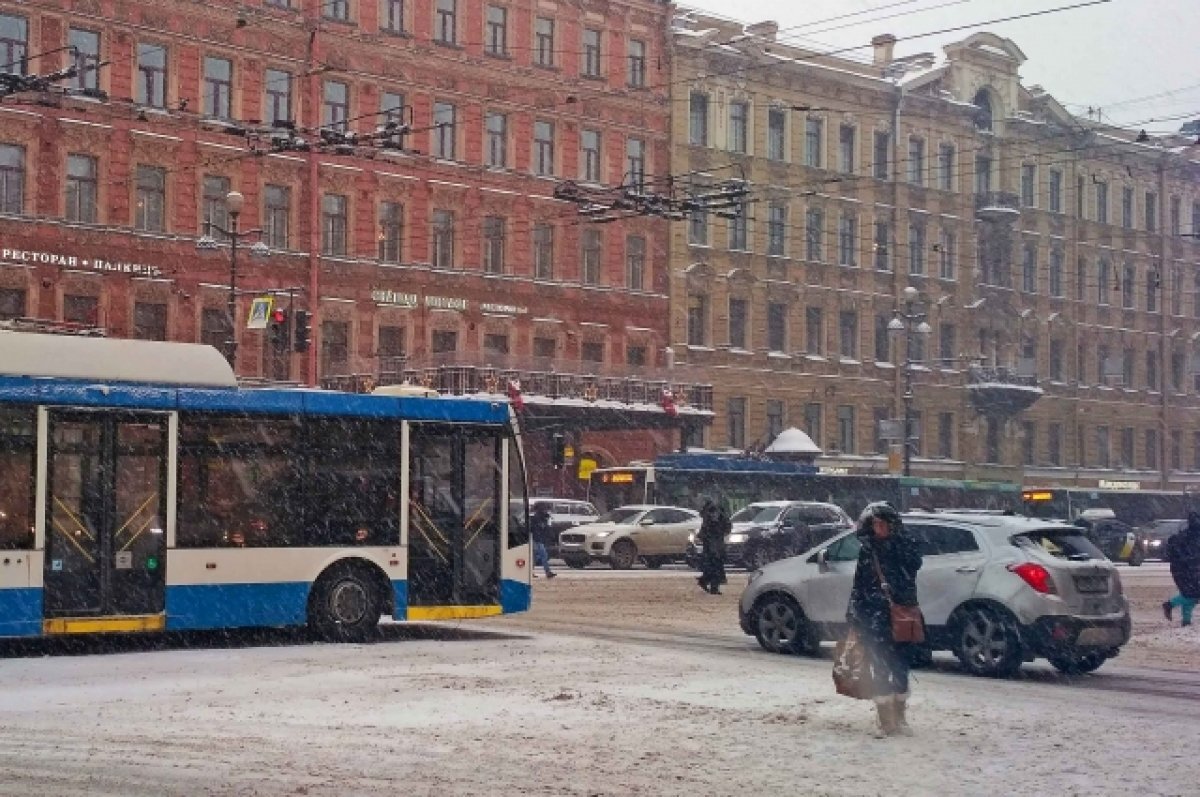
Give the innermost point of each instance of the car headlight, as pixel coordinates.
(599, 535)
(1155, 543)
(737, 538)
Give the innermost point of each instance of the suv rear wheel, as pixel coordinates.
(986, 642)
(780, 625)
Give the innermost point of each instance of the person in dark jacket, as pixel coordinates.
(539, 531)
(884, 540)
(1183, 552)
(714, 525)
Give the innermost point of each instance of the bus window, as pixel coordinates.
(353, 486)
(17, 451)
(518, 519)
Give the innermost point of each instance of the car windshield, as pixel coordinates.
(1060, 543)
(620, 516)
(756, 513)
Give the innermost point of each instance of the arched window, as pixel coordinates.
(983, 101)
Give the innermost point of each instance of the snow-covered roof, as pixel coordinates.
(793, 441)
(113, 360)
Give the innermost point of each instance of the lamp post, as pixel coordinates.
(909, 321)
(234, 202)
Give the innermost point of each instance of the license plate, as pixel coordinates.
(1099, 637)
(1091, 583)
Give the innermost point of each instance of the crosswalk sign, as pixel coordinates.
(260, 312)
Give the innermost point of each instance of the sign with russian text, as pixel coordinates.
(40, 257)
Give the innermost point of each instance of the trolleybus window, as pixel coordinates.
(17, 452)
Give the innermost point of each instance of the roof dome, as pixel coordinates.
(793, 442)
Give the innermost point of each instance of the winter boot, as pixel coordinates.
(1167, 610)
(885, 708)
(902, 726)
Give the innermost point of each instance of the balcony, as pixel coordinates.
(998, 206)
(542, 381)
(1000, 390)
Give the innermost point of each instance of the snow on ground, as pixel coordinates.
(491, 710)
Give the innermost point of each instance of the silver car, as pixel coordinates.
(995, 591)
(654, 534)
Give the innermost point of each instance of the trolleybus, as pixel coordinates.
(142, 489)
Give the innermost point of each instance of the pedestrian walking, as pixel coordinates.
(1183, 552)
(714, 526)
(886, 575)
(539, 532)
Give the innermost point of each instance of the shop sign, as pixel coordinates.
(826, 470)
(1110, 485)
(394, 298)
(75, 261)
(445, 303)
(505, 309)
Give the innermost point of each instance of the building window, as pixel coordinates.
(946, 167)
(739, 122)
(1127, 369)
(737, 323)
(151, 204)
(591, 53)
(1176, 216)
(590, 262)
(1102, 202)
(335, 347)
(814, 331)
(635, 262)
(544, 348)
(1029, 268)
(946, 435)
(391, 231)
(543, 41)
(1056, 185)
(635, 356)
(497, 140)
(1081, 280)
(1177, 361)
(777, 229)
(1153, 284)
(1028, 442)
(916, 161)
(814, 134)
(495, 344)
(392, 348)
(1102, 284)
(1127, 208)
(493, 245)
(277, 87)
(12, 179)
(151, 75)
(391, 17)
(1054, 438)
(1127, 286)
(86, 52)
(443, 239)
(698, 119)
(883, 146)
(846, 432)
(739, 232)
(391, 117)
(445, 27)
(774, 418)
(445, 131)
(214, 207)
(947, 345)
(1152, 370)
(883, 340)
(1028, 185)
(12, 303)
(543, 148)
(737, 423)
(218, 88)
(698, 221)
(1151, 211)
(214, 327)
(776, 134)
(443, 341)
(1056, 273)
(1176, 291)
(543, 251)
(149, 321)
(916, 249)
(776, 327)
(589, 162)
(334, 222)
(14, 43)
(814, 235)
(84, 310)
(497, 31)
(635, 162)
(335, 110)
(813, 417)
(847, 239)
(337, 10)
(848, 334)
(846, 143)
(983, 174)
(276, 215)
(947, 253)
(637, 64)
(1080, 197)
(82, 187)
(697, 320)
(1151, 449)
(1196, 218)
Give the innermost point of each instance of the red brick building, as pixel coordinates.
(440, 255)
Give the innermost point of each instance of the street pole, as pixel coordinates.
(908, 392)
(232, 301)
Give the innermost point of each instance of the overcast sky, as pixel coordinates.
(1113, 56)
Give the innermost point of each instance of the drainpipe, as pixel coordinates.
(1163, 376)
(313, 105)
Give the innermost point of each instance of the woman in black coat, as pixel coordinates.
(714, 526)
(884, 540)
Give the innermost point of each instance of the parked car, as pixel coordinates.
(1119, 541)
(1155, 537)
(995, 590)
(565, 513)
(654, 534)
(769, 530)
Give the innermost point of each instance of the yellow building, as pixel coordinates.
(1052, 334)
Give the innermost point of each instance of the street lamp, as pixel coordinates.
(909, 321)
(234, 202)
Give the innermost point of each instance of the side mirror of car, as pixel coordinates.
(823, 560)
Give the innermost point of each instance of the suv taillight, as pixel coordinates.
(1035, 576)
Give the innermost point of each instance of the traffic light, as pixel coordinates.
(303, 331)
(280, 329)
(558, 450)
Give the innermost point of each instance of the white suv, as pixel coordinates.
(995, 590)
(654, 534)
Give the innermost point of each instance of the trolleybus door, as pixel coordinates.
(105, 517)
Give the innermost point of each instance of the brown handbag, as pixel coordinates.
(851, 676)
(907, 623)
